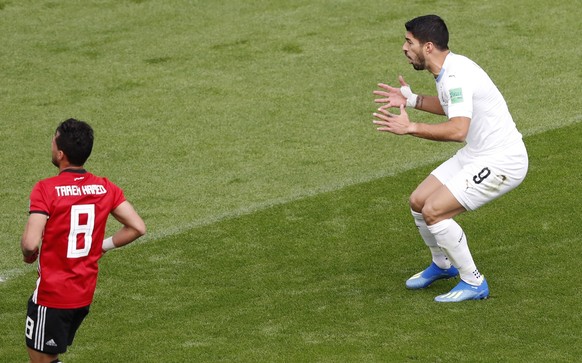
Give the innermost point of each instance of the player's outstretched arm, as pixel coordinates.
(133, 226)
(455, 129)
(429, 104)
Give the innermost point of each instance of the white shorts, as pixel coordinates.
(477, 180)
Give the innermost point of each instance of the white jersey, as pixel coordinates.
(464, 89)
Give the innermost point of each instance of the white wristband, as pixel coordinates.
(411, 101)
(108, 244)
(411, 98)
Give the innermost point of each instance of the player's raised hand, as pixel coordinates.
(391, 96)
(391, 122)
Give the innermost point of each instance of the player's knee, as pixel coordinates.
(416, 203)
(429, 214)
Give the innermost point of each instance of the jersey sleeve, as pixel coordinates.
(38, 200)
(460, 99)
(117, 196)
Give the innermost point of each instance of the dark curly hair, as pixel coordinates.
(429, 28)
(75, 140)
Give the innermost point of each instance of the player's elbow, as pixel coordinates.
(459, 136)
(29, 243)
(140, 229)
(132, 233)
(28, 247)
(459, 129)
(136, 225)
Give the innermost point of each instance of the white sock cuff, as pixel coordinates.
(416, 215)
(440, 226)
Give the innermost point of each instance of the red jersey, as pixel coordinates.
(77, 204)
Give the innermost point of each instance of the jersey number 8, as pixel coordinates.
(87, 211)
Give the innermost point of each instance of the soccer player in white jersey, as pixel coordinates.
(492, 162)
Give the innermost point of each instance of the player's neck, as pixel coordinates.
(435, 64)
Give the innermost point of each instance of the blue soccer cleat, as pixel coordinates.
(464, 291)
(431, 274)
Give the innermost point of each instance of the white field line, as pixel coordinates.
(12, 274)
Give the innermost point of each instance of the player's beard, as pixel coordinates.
(54, 161)
(420, 63)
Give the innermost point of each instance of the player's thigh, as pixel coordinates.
(437, 178)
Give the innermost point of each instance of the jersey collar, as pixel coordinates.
(443, 68)
(78, 171)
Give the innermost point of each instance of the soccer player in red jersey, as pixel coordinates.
(65, 231)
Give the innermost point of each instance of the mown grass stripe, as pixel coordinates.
(14, 273)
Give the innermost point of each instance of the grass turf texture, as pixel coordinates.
(322, 279)
(205, 111)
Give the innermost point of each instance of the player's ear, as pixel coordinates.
(428, 47)
(60, 155)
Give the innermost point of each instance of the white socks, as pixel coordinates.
(438, 256)
(451, 239)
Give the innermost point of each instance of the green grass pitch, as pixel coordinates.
(278, 222)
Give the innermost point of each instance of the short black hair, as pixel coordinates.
(75, 140)
(429, 28)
